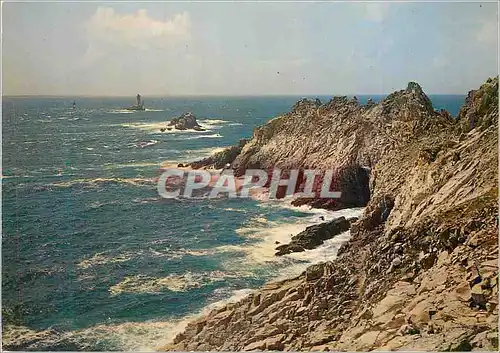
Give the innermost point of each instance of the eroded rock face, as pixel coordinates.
(186, 121)
(343, 136)
(479, 106)
(420, 271)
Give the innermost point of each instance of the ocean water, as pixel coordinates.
(90, 249)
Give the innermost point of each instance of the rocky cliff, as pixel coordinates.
(342, 135)
(420, 271)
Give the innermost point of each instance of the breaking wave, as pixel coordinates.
(120, 111)
(212, 136)
(91, 183)
(144, 144)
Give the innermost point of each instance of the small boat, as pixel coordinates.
(139, 106)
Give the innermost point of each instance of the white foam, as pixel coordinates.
(134, 336)
(189, 156)
(149, 127)
(120, 111)
(213, 121)
(144, 144)
(211, 136)
(157, 127)
(99, 259)
(263, 251)
(89, 182)
(212, 124)
(132, 165)
(262, 235)
(204, 152)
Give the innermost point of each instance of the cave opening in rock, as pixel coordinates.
(354, 183)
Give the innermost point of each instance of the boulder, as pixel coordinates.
(478, 295)
(314, 272)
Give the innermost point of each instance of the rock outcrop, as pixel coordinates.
(220, 159)
(314, 235)
(186, 121)
(420, 271)
(479, 105)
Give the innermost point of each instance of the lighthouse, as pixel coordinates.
(139, 105)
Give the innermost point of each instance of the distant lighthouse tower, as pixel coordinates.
(138, 106)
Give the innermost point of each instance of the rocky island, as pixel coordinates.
(186, 121)
(420, 271)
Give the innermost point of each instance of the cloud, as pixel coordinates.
(376, 11)
(488, 32)
(111, 34)
(136, 29)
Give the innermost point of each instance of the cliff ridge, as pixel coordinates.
(420, 271)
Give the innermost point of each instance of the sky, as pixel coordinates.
(250, 48)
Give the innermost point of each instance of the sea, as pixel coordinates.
(90, 250)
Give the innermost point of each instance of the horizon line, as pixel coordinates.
(214, 95)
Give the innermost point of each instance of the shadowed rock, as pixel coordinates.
(186, 121)
(314, 236)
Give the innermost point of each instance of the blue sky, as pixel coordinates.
(246, 48)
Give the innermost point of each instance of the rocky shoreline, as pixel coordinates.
(420, 271)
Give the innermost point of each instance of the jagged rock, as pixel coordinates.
(427, 260)
(314, 272)
(255, 346)
(486, 341)
(314, 236)
(186, 121)
(479, 107)
(421, 313)
(288, 249)
(462, 292)
(352, 220)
